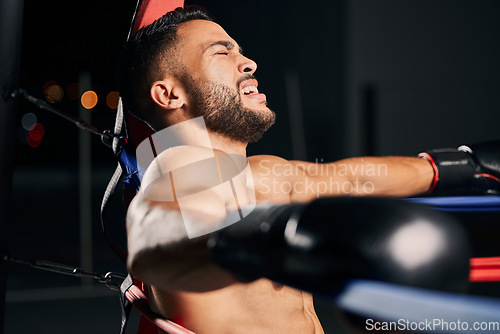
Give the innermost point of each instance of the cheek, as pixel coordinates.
(223, 74)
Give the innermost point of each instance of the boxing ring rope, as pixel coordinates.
(484, 269)
(392, 303)
(462, 203)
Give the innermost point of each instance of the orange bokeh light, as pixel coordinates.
(89, 99)
(53, 92)
(48, 84)
(112, 100)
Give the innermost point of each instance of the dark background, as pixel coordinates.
(346, 78)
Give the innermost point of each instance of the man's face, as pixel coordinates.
(220, 82)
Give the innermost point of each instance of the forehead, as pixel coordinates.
(201, 33)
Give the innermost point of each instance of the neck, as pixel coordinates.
(193, 132)
(227, 145)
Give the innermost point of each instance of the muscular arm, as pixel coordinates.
(183, 198)
(161, 254)
(364, 176)
(371, 176)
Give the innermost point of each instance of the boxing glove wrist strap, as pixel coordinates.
(453, 169)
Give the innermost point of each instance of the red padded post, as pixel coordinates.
(148, 11)
(151, 10)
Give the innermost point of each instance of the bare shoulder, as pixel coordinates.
(278, 168)
(267, 165)
(183, 170)
(178, 156)
(273, 178)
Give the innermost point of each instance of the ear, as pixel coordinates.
(167, 94)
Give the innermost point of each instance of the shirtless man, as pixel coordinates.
(185, 66)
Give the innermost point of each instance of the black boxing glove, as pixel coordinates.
(320, 245)
(468, 168)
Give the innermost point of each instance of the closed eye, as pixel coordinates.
(227, 46)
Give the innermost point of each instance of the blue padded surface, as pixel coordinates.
(461, 203)
(390, 302)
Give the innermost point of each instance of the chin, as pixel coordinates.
(259, 107)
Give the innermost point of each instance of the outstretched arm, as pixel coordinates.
(365, 176)
(368, 176)
(472, 168)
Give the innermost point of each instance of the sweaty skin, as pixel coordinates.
(186, 285)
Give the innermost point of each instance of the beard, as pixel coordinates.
(223, 110)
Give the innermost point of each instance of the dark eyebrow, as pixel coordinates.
(228, 44)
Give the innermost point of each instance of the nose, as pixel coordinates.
(247, 66)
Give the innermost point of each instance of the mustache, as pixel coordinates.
(243, 78)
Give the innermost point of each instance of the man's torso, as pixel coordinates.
(260, 306)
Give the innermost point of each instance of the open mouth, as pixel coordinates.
(250, 90)
(249, 87)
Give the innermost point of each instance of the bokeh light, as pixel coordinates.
(37, 132)
(112, 100)
(74, 91)
(53, 92)
(29, 121)
(89, 99)
(48, 84)
(32, 143)
(35, 135)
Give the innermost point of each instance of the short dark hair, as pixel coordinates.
(150, 54)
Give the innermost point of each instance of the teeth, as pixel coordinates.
(250, 90)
